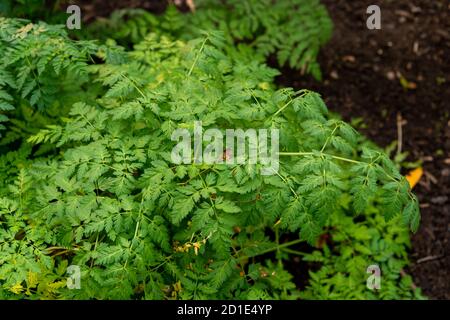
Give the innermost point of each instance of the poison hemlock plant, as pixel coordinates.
(348, 248)
(42, 73)
(36, 57)
(139, 226)
(293, 31)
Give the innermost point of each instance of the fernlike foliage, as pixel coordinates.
(293, 31)
(348, 246)
(41, 70)
(139, 226)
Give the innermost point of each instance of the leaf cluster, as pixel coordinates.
(293, 31)
(104, 194)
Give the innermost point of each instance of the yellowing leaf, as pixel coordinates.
(16, 289)
(32, 279)
(52, 288)
(264, 85)
(22, 32)
(414, 176)
(177, 286)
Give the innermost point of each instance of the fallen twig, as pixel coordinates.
(429, 258)
(399, 133)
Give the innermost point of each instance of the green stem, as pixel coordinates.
(282, 108)
(287, 183)
(295, 153)
(321, 154)
(134, 84)
(277, 240)
(287, 250)
(329, 138)
(136, 230)
(197, 56)
(275, 248)
(344, 159)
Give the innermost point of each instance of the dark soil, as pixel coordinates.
(363, 74)
(397, 75)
